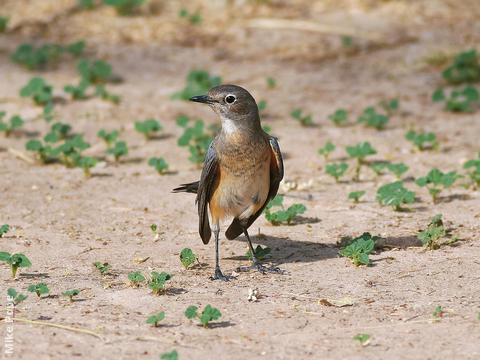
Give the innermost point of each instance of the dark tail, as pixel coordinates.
(190, 188)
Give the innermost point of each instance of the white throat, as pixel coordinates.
(228, 126)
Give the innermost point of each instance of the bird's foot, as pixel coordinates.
(262, 269)
(219, 276)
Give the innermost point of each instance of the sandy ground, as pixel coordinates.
(64, 223)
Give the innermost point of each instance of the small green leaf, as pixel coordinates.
(191, 312)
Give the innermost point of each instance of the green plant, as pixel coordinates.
(474, 174)
(86, 163)
(71, 293)
(267, 129)
(326, 150)
(58, 131)
(271, 83)
(39, 90)
(260, 253)
(154, 319)
(355, 195)
(198, 82)
(15, 122)
(338, 117)
(282, 216)
(96, 72)
(147, 127)
(377, 167)
(37, 58)
(459, 100)
(86, 4)
(105, 95)
(158, 280)
(39, 288)
(71, 150)
(108, 137)
(47, 112)
(397, 169)
(119, 149)
(394, 194)
(196, 138)
(136, 278)
(434, 179)
(208, 314)
(359, 249)
(262, 105)
(158, 164)
(437, 312)
(124, 7)
(419, 139)
(465, 68)
(372, 119)
(77, 92)
(15, 261)
(3, 23)
(434, 232)
(102, 268)
(336, 170)
(193, 18)
(304, 120)
(363, 338)
(187, 257)
(4, 229)
(360, 151)
(16, 297)
(173, 355)
(389, 106)
(154, 227)
(44, 151)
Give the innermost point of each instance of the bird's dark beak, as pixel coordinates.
(203, 99)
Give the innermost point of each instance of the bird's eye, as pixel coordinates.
(230, 99)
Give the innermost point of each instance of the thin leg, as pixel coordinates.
(218, 273)
(256, 264)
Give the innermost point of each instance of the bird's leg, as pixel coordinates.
(218, 273)
(256, 264)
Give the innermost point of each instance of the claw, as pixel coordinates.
(262, 269)
(219, 276)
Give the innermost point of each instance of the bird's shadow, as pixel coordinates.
(285, 250)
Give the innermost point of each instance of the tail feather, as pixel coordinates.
(190, 188)
(234, 230)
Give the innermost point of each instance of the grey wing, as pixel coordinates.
(205, 191)
(276, 175)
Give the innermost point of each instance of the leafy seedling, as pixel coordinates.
(419, 139)
(147, 127)
(363, 338)
(47, 112)
(15, 261)
(71, 150)
(394, 194)
(434, 232)
(356, 195)
(187, 257)
(271, 83)
(326, 150)
(198, 82)
(208, 314)
(119, 149)
(336, 170)
(459, 100)
(372, 119)
(44, 151)
(465, 68)
(39, 90)
(39, 289)
(438, 312)
(196, 138)
(158, 164)
(262, 105)
(3, 23)
(105, 95)
(71, 293)
(360, 152)
(17, 298)
(397, 169)
(77, 92)
(108, 137)
(156, 318)
(158, 280)
(87, 163)
(136, 278)
(4, 229)
(173, 355)
(389, 106)
(124, 7)
(102, 268)
(474, 174)
(377, 167)
(192, 18)
(154, 227)
(282, 216)
(37, 58)
(436, 178)
(304, 120)
(15, 122)
(58, 131)
(360, 248)
(260, 253)
(338, 117)
(267, 129)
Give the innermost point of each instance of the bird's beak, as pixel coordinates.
(203, 99)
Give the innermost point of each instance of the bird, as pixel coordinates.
(241, 173)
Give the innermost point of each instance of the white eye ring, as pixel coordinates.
(230, 99)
